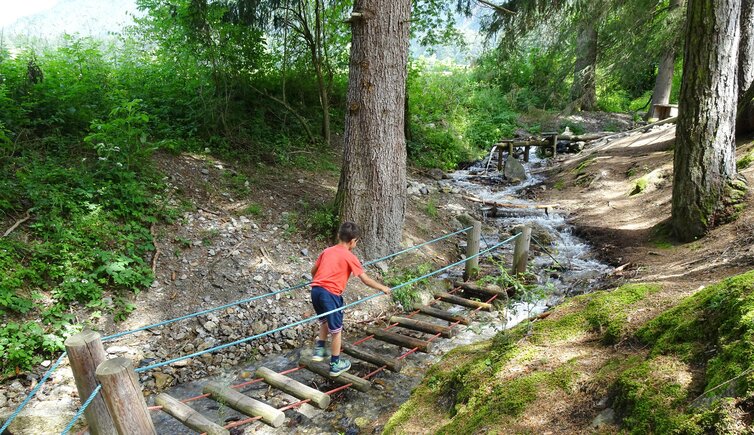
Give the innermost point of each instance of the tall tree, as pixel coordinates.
(704, 163)
(372, 188)
(664, 80)
(584, 89)
(745, 118)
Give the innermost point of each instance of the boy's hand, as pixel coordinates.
(386, 290)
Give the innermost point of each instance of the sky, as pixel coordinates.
(11, 10)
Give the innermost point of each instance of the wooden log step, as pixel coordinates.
(457, 300)
(245, 404)
(323, 369)
(400, 340)
(418, 325)
(441, 314)
(490, 290)
(189, 416)
(394, 365)
(293, 387)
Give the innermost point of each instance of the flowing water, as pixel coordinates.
(569, 269)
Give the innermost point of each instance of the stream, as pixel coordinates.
(570, 269)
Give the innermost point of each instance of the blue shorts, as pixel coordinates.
(325, 301)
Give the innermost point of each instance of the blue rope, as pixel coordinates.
(32, 393)
(199, 313)
(242, 301)
(81, 410)
(291, 325)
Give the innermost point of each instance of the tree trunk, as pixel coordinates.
(372, 188)
(746, 48)
(745, 118)
(704, 160)
(584, 91)
(664, 81)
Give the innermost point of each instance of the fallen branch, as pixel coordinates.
(508, 204)
(19, 222)
(156, 249)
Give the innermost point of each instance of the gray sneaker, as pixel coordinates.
(319, 354)
(340, 367)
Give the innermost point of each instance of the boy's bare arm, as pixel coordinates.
(374, 284)
(314, 270)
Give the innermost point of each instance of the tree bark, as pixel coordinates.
(704, 161)
(745, 117)
(584, 90)
(372, 188)
(664, 80)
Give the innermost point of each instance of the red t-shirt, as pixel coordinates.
(334, 266)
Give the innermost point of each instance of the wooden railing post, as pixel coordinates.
(472, 249)
(85, 353)
(123, 397)
(521, 251)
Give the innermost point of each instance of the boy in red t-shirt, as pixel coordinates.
(331, 272)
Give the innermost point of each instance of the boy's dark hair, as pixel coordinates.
(348, 231)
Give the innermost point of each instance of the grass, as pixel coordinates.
(431, 207)
(640, 186)
(254, 209)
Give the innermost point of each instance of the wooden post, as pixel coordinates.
(323, 369)
(441, 314)
(521, 251)
(123, 397)
(245, 404)
(510, 150)
(189, 416)
(472, 249)
(457, 300)
(526, 153)
(85, 353)
(394, 365)
(428, 327)
(292, 387)
(500, 158)
(554, 145)
(400, 340)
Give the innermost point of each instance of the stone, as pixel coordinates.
(305, 252)
(258, 278)
(210, 326)
(514, 170)
(424, 190)
(3, 400)
(162, 380)
(604, 418)
(205, 171)
(436, 174)
(118, 349)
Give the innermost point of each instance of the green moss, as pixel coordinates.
(640, 186)
(608, 313)
(649, 397)
(581, 168)
(559, 185)
(745, 161)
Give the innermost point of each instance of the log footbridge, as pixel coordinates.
(115, 404)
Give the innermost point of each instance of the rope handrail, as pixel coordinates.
(299, 322)
(57, 363)
(318, 316)
(262, 296)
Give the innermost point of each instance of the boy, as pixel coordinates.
(331, 272)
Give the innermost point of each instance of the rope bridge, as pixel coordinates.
(96, 390)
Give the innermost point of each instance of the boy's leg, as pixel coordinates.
(322, 331)
(335, 347)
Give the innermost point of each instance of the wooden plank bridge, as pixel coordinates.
(122, 409)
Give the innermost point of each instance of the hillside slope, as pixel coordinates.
(667, 352)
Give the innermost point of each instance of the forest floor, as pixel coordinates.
(618, 197)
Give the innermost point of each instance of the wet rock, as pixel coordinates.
(604, 418)
(162, 380)
(436, 174)
(514, 170)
